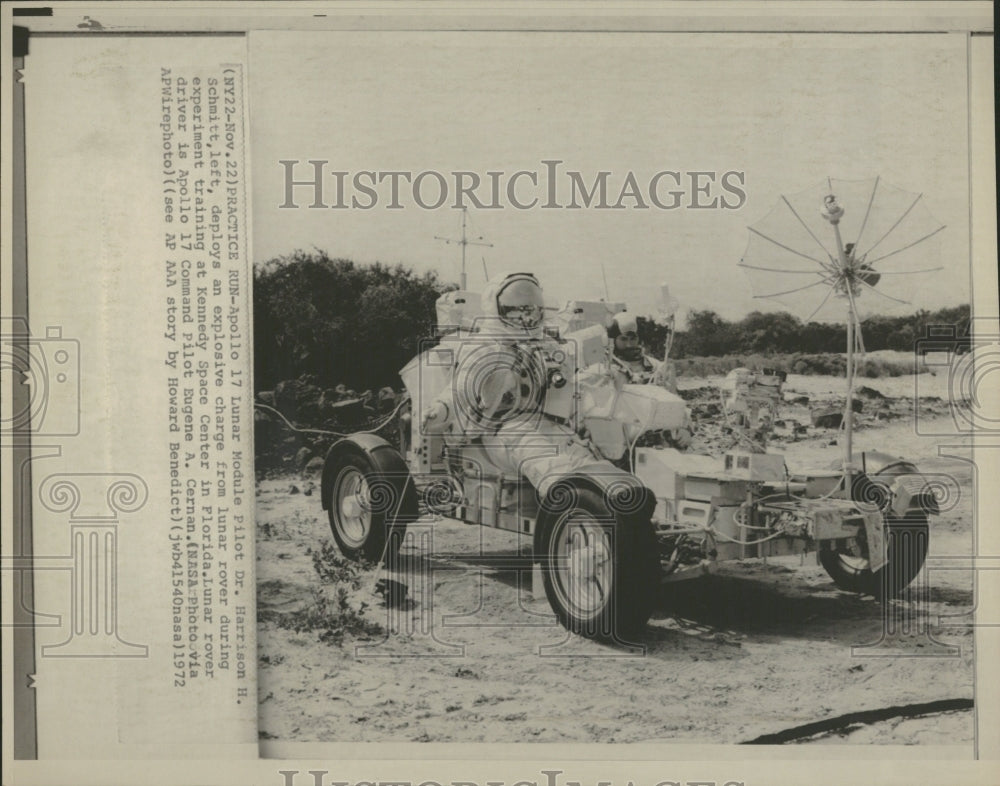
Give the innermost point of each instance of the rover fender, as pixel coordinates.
(633, 500)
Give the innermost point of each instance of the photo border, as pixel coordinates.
(646, 763)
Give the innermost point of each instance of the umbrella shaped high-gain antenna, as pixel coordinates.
(841, 247)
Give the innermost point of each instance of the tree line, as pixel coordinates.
(339, 322)
(770, 333)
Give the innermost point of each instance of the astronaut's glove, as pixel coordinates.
(434, 419)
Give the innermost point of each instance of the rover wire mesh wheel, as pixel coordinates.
(362, 508)
(598, 574)
(907, 541)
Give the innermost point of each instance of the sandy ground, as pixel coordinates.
(755, 649)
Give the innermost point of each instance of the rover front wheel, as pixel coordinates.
(598, 574)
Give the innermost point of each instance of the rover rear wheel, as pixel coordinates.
(364, 505)
(907, 539)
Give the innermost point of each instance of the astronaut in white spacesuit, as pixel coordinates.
(502, 376)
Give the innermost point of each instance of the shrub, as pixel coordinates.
(334, 618)
(335, 611)
(827, 364)
(332, 567)
(337, 321)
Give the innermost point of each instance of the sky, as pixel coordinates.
(780, 112)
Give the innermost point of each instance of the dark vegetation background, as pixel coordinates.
(338, 322)
(335, 322)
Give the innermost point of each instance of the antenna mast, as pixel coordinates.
(463, 243)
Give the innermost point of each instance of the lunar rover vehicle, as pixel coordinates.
(604, 541)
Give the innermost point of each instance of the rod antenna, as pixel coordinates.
(465, 241)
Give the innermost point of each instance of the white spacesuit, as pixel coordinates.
(502, 376)
(628, 365)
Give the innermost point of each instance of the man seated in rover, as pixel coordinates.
(502, 376)
(629, 363)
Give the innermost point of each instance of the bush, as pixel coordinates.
(825, 364)
(332, 567)
(334, 618)
(337, 321)
(890, 367)
(335, 610)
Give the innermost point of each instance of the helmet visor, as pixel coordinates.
(520, 304)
